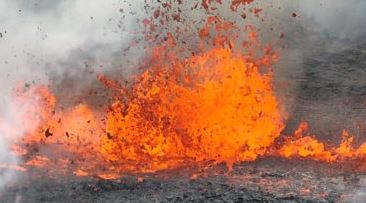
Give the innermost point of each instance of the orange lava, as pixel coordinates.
(37, 161)
(215, 106)
(12, 167)
(307, 146)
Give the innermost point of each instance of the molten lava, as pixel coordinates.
(306, 146)
(215, 106)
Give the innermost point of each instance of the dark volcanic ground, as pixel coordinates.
(331, 92)
(267, 180)
(331, 96)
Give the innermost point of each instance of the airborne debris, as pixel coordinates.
(48, 133)
(109, 136)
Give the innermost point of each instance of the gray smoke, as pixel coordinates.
(345, 19)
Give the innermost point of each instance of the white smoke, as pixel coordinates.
(13, 124)
(344, 19)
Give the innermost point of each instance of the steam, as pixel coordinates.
(57, 43)
(344, 19)
(5, 158)
(13, 125)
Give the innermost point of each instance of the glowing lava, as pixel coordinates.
(214, 106)
(306, 146)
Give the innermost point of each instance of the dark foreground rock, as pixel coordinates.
(267, 180)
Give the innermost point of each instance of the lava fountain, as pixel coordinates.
(214, 106)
